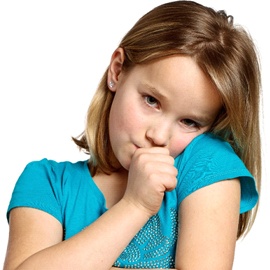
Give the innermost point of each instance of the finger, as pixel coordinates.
(153, 155)
(163, 182)
(154, 150)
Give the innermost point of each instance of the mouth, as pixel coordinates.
(136, 147)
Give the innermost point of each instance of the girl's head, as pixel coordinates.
(223, 51)
(165, 103)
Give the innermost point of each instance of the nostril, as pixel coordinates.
(157, 140)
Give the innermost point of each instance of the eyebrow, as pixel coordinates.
(202, 119)
(154, 91)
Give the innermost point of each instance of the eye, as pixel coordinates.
(191, 124)
(151, 101)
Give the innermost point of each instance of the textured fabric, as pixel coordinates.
(67, 191)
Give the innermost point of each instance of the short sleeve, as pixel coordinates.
(207, 160)
(38, 187)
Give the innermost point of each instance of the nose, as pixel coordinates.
(159, 133)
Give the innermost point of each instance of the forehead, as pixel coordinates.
(176, 72)
(179, 80)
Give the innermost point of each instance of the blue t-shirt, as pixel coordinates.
(67, 191)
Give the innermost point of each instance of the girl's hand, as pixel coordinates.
(151, 173)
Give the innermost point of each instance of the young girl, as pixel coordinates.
(174, 170)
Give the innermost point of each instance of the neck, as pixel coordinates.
(112, 185)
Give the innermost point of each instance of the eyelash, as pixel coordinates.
(190, 123)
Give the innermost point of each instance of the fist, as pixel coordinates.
(151, 173)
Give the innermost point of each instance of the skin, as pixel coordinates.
(164, 105)
(157, 110)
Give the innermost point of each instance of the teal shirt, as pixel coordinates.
(67, 191)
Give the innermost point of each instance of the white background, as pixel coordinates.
(52, 56)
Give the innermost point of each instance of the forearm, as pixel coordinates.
(96, 247)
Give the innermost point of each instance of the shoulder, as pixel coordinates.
(47, 164)
(46, 184)
(209, 159)
(210, 151)
(209, 143)
(51, 169)
(52, 175)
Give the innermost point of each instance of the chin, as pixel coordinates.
(125, 164)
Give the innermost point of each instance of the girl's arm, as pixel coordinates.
(208, 223)
(35, 240)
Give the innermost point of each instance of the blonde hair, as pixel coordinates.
(227, 55)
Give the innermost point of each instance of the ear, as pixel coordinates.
(115, 68)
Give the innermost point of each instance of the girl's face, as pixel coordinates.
(166, 103)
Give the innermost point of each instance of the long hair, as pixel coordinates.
(226, 54)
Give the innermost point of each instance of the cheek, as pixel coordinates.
(123, 119)
(178, 145)
(176, 148)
